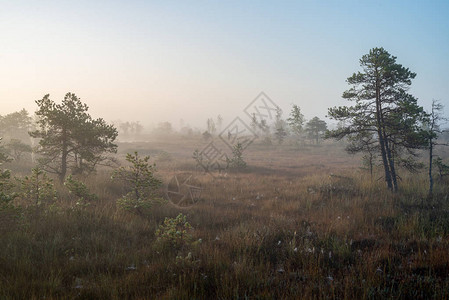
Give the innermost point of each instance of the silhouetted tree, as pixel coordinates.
(17, 149)
(433, 132)
(254, 123)
(442, 168)
(206, 135)
(125, 127)
(296, 120)
(316, 128)
(211, 126)
(136, 128)
(280, 132)
(15, 125)
(7, 194)
(164, 128)
(3, 154)
(70, 138)
(219, 122)
(382, 108)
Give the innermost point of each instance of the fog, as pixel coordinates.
(154, 62)
(218, 158)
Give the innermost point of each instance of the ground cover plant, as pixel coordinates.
(320, 227)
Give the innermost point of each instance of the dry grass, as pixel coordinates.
(298, 223)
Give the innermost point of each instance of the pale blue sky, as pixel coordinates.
(157, 61)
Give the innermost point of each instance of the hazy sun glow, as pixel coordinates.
(153, 62)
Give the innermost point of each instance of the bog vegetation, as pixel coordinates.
(308, 210)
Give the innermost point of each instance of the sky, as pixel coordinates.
(155, 61)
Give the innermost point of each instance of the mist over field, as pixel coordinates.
(238, 150)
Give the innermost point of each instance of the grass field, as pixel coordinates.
(298, 223)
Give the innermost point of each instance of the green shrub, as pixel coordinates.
(37, 189)
(140, 182)
(237, 162)
(80, 191)
(6, 188)
(175, 232)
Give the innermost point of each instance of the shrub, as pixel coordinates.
(37, 188)
(140, 183)
(237, 162)
(6, 188)
(199, 159)
(175, 232)
(80, 191)
(442, 168)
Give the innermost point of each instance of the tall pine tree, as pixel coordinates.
(70, 138)
(384, 111)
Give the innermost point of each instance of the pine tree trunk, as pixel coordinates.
(384, 160)
(430, 168)
(390, 159)
(63, 157)
(394, 177)
(382, 141)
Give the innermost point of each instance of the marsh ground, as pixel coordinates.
(299, 222)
